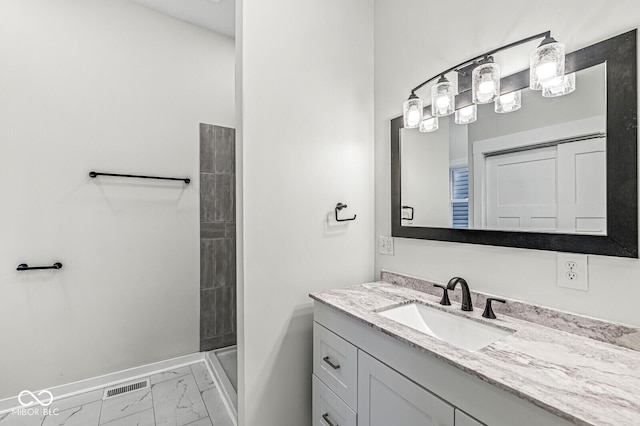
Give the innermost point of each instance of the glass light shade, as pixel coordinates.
(509, 102)
(412, 111)
(562, 86)
(546, 64)
(429, 125)
(442, 98)
(485, 83)
(467, 115)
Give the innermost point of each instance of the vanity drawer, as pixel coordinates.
(328, 409)
(335, 362)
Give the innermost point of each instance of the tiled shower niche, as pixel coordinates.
(217, 237)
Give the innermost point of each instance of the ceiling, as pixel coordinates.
(214, 15)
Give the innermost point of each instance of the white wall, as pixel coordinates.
(411, 44)
(307, 142)
(111, 86)
(425, 176)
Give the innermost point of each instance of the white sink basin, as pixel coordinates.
(459, 331)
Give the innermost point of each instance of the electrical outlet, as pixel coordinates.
(386, 246)
(572, 271)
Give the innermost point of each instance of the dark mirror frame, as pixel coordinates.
(619, 54)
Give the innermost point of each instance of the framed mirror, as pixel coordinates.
(560, 173)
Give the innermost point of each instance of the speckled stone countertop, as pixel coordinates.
(582, 380)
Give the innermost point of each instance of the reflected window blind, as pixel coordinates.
(460, 197)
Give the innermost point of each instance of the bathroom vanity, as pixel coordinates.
(373, 366)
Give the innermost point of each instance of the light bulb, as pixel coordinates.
(546, 70)
(429, 125)
(507, 99)
(486, 87)
(467, 115)
(485, 83)
(508, 102)
(466, 111)
(562, 86)
(413, 116)
(443, 98)
(442, 102)
(412, 111)
(546, 63)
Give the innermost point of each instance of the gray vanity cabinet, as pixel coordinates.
(386, 397)
(352, 388)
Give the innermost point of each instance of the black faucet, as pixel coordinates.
(466, 296)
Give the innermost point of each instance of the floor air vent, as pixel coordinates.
(122, 389)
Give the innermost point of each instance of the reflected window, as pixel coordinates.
(460, 197)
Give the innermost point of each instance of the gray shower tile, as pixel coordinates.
(144, 418)
(229, 339)
(170, 374)
(223, 310)
(125, 405)
(223, 199)
(230, 230)
(222, 267)
(208, 197)
(84, 415)
(213, 230)
(217, 411)
(207, 148)
(202, 376)
(224, 142)
(207, 313)
(208, 249)
(211, 343)
(231, 262)
(178, 402)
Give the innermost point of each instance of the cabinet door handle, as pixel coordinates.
(325, 417)
(328, 361)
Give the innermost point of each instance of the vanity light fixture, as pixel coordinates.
(467, 115)
(412, 110)
(563, 86)
(547, 64)
(429, 124)
(443, 98)
(509, 102)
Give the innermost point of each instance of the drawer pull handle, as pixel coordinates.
(334, 366)
(325, 417)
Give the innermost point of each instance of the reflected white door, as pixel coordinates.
(521, 190)
(583, 206)
(552, 189)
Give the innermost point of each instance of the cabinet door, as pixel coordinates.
(463, 419)
(385, 397)
(328, 409)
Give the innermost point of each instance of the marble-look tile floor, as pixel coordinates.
(180, 397)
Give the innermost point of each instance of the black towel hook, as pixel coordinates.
(339, 207)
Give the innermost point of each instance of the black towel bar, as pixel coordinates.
(25, 267)
(95, 174)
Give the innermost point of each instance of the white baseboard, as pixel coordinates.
(87, 385)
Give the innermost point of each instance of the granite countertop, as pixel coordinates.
(582, 380)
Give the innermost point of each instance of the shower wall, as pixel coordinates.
(217, 237)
